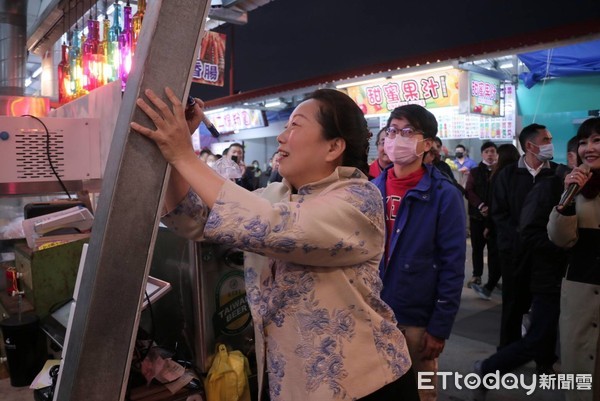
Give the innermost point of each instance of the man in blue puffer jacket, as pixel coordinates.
(424, 262)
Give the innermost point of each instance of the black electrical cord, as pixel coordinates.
(153, 328)
(48, 154)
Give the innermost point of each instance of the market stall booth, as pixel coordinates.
(111, 279)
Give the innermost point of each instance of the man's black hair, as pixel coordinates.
(418, 116)
(488, 144)
(573, 144)
(528, 133)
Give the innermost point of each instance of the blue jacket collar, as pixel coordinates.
(421, 191)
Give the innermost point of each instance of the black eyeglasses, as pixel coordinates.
(406, 132)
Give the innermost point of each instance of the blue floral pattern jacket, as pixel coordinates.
(322, 331)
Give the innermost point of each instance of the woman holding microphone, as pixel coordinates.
(575, 224)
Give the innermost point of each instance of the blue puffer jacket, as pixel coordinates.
(423, 278)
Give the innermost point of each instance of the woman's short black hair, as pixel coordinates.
(589, 127)
(341, 117)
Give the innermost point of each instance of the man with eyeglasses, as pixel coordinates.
(423, 266)
(382, 160)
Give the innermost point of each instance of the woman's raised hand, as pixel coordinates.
(172, 133)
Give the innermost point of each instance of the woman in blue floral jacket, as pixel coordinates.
(313, 244)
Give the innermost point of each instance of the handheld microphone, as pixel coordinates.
(572, 190)
(189, 113)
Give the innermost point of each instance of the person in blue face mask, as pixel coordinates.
(510, 189)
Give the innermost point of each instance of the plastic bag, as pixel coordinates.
(227, 378)
(227, 168)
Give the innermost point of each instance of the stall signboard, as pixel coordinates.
(232, 120)
(428, 89)
(480, 94)
(455, 125)
(210, 65)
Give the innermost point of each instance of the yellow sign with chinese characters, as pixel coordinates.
(428, 89)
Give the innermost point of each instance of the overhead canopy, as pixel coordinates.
(566, 61)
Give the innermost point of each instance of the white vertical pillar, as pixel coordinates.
(48, 79)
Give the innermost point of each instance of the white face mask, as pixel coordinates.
(546, 152)
(400, 150)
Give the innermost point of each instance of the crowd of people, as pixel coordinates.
(251, 176)
(354, 272)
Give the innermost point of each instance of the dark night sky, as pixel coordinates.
(290, 40)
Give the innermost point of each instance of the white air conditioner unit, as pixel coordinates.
(30, 153)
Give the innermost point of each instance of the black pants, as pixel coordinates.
(516, 297)
(478, 244)
(403, 389)
(539, 343)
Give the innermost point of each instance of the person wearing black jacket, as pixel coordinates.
(510, 189)
(547, 264)
(478, 193)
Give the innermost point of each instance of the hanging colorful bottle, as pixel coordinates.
(90, 55)
(114, 56)
(105, 68)
(64, 76)
(75, 72)
(79, 67)
(137, 23)
(125, 44)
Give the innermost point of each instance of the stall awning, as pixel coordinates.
(566, 61)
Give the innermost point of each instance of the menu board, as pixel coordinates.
(480, 94)
(454, 125)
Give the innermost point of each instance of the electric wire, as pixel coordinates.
(152, 330)
(546, 76)
(62, 184)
